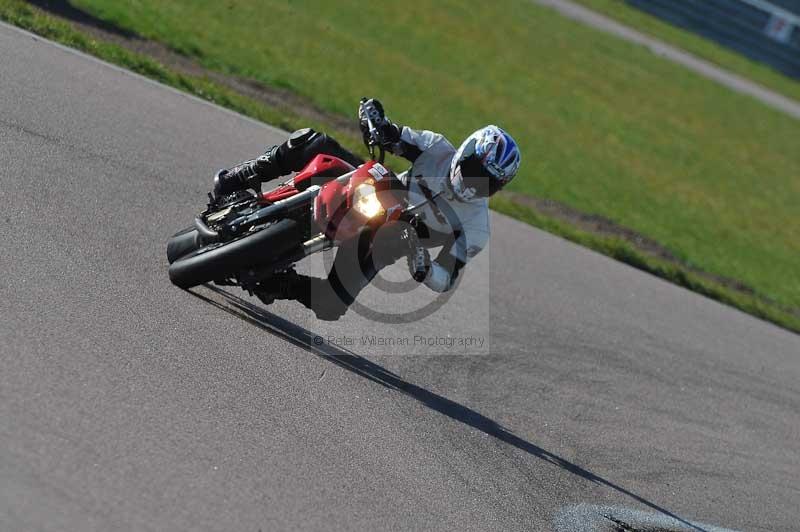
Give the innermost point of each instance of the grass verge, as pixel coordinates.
(704, 48)
(35, 20)
(624, 251)
(606, 126)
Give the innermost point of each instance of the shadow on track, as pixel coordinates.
(63, 9)
(359, 365)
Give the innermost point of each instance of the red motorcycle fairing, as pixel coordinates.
(333, 212)
(321, 166)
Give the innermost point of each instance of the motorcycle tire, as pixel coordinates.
(224, 260)
(182, 243)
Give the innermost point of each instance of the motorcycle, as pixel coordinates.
(246, 238)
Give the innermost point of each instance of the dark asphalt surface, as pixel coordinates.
(127, 404)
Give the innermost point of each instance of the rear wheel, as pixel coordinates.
(224, 260)
(182, 243)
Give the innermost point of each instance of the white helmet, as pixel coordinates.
(484, 163)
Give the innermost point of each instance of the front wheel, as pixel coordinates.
(223, 260)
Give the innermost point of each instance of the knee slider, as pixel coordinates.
(300, 138)
(294, 153)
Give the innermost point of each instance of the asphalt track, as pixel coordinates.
(128, 404)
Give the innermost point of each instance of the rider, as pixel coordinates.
(456, 184)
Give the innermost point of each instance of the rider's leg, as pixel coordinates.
(290, 156)
(305, 144)
(357, 262)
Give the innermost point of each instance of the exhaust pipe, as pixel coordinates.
(206, 233)
(318, 243)
(278, 208)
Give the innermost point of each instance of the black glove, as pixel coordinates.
(386, 133)
(419, 260)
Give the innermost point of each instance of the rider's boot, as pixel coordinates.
(311, 292)
(248, 174)
(290, 156)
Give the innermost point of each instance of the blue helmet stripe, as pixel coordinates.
(510, 147)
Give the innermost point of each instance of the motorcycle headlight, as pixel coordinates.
(365, 201)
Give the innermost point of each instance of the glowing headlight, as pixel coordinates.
(366, 201)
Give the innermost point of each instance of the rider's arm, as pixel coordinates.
(411, 143)
(473, 237)
(400, 140)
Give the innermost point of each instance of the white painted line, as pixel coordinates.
(788, 16)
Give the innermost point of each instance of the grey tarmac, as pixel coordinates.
(128, 404)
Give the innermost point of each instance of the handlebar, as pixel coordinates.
(373, 138)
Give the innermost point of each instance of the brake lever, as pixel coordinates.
(373, 132)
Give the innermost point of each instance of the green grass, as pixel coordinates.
(704, 48)
(605, 126)
(21, 14)
(624, 251)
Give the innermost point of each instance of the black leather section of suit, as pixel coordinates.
(409, 151)
(292, 156)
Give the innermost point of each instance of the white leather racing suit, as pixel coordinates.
(468, 221)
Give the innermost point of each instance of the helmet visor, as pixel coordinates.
(472, 179)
